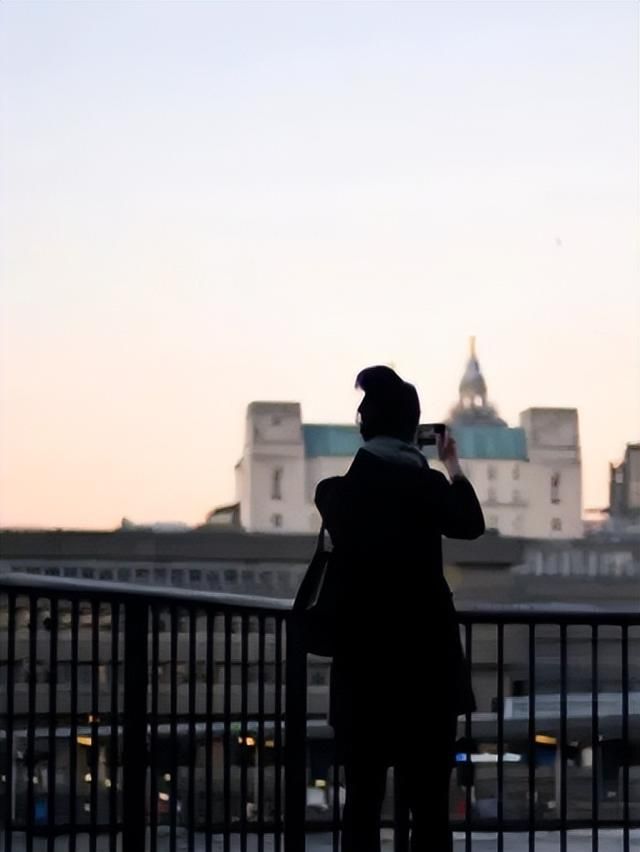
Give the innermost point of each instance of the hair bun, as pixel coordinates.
(378, 380)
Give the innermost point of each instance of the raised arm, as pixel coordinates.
(460, 511)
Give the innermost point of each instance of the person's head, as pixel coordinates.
(390, 406)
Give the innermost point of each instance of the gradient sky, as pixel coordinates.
(203, 204)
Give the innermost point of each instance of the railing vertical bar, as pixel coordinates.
(53, 718)
(295, 739)
(500, 676)
(209, 736)
(227, 730)
(192, 730)
(626, 841)
(113, 741)
(134, 772)
(595, 742)
(244, 731)
(468, 642)
(563, 745)
(153, 757)
(73, 739)
(10, 788)
(173, 801)
(336, 799)
(94, 748)
(31, 717)
(261, 729)
(279, 626)
(531, 750)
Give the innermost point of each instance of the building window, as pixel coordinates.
(492, 472)
(516, 471)
(196, 576)
(555, 487)
(276, 520)
(556, 524)
(230, 575)
(492, 522)
(276, 484)
(276, 420)
(517, 497)
(492, 497)
(517, 524)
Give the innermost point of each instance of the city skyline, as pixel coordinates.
(209, 204)
(231, 497)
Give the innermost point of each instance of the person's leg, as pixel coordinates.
(365, 779)
(425, 776)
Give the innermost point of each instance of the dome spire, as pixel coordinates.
(473, 388)
(473, 404)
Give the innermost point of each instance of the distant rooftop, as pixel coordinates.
(491, 442)
(326, 439)
(474, 442)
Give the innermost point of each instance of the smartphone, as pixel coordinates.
(428, 432)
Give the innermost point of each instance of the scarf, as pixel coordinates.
(396, 451)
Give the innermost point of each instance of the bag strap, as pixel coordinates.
(320, 543)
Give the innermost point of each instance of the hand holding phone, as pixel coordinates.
(448, 454)
(428, 434)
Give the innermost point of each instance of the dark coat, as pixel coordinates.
(398, 658)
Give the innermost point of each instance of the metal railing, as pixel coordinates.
(154, 718)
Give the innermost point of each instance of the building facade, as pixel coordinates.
(528, 477)
(624, 485)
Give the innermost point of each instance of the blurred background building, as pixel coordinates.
(528, 477)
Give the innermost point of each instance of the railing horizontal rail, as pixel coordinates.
(509, 614)
(108, 591)
(494, 614)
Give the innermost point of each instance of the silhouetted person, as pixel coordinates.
(399, 679)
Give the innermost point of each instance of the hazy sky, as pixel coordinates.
(203, 204)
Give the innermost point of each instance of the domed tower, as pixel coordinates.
(473, 407)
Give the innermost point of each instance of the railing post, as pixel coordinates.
(134, 760)
(295, 801)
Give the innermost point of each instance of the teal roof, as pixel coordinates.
(491, 442)
(474, 442)
(324, 439)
